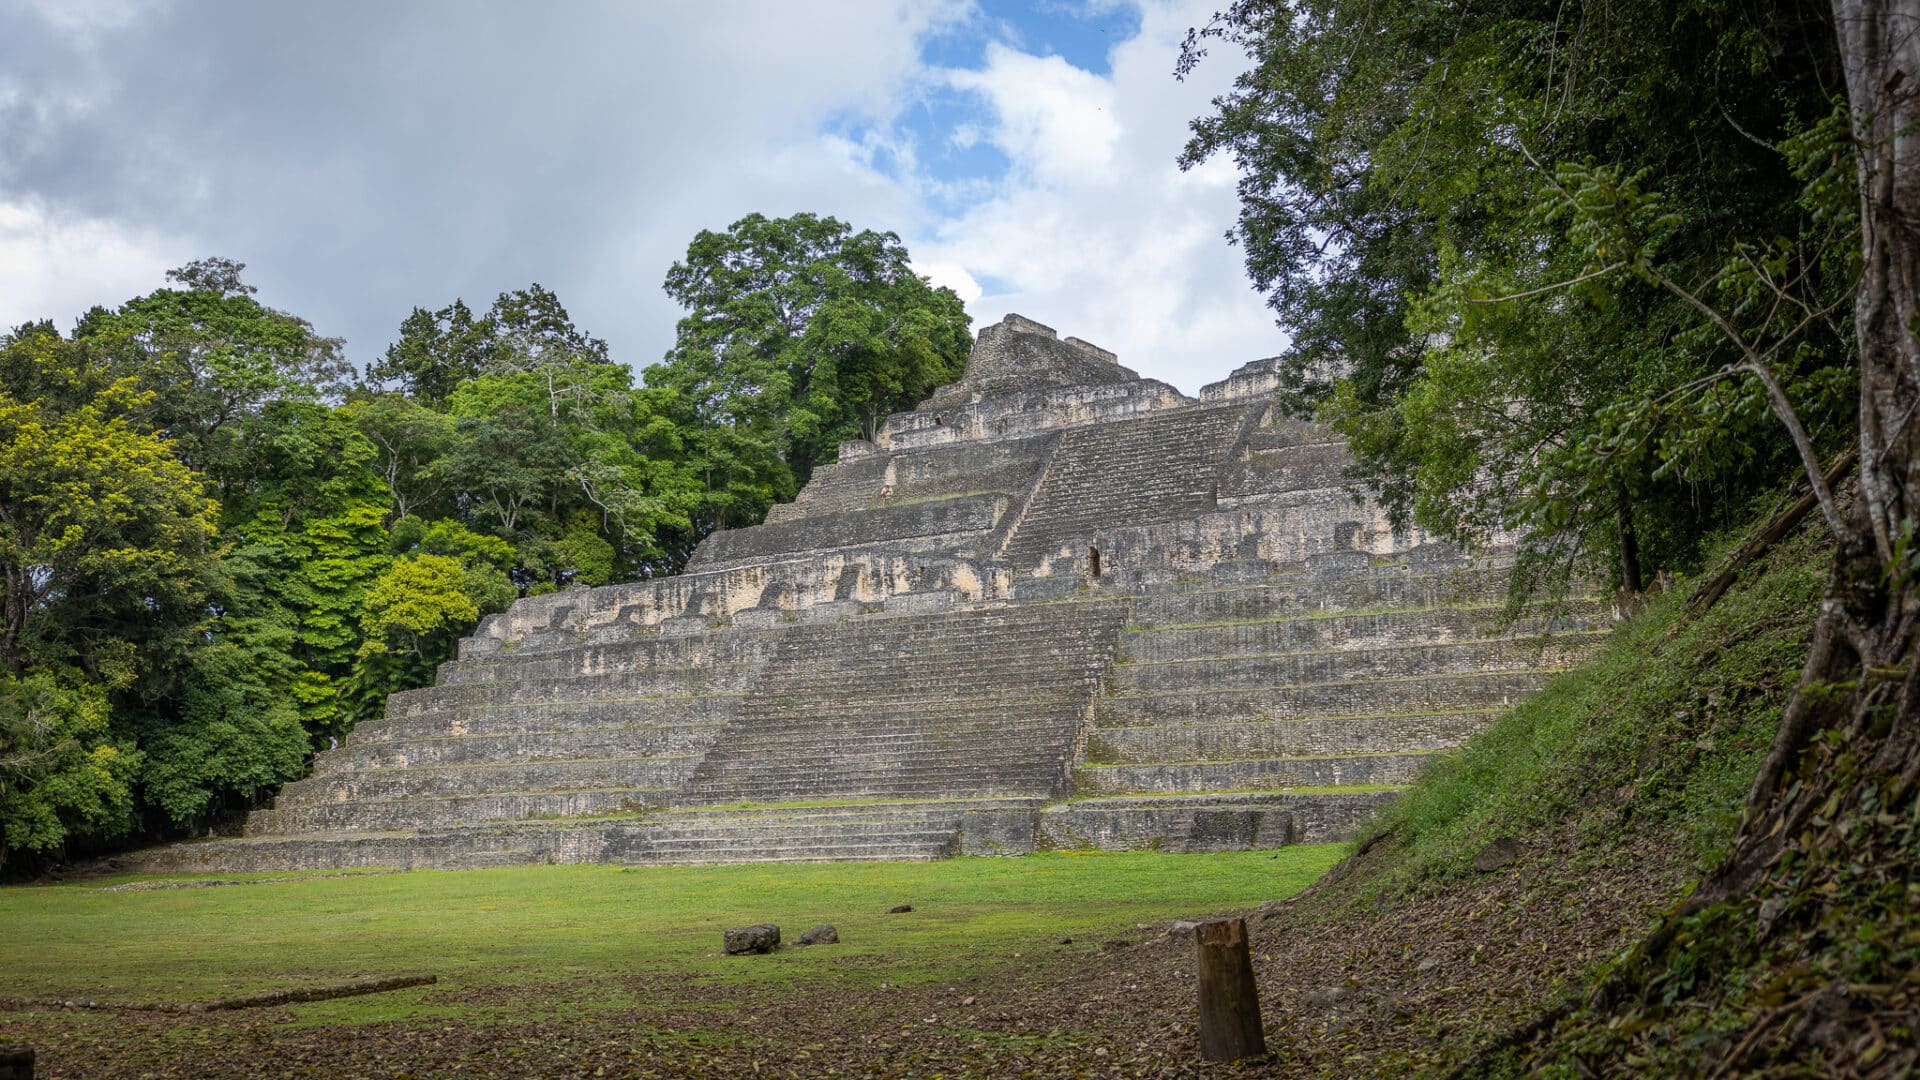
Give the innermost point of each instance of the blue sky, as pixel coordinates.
(364, 158)
(941, 118)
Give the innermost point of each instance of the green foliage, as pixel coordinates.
(232, 736)
(439, 350)
(411, 444)
(1520, 247)
(212, 354)
(800, 333)
(103, 531)
(170, 658)
(549, 441)
(415, 610)
(60, 772)
(293, 464)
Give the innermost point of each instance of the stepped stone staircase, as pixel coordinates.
(1057, 605)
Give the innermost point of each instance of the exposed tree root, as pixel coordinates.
(248, 1001)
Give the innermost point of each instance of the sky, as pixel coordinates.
(364, 157)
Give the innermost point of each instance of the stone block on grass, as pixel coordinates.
(758, 938)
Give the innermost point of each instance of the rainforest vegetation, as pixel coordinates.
(1608, 278)
(222, 546)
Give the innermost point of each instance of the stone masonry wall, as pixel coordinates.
(1056, 605)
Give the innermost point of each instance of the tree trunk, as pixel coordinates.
(1864, 642)
(1229, 999)
(1880, 50)
(1629, 545)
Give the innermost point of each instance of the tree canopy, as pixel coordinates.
(800, 333)
(219, 550)
(1492, 231)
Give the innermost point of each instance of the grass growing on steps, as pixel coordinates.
(1663, 728)
(584, 928)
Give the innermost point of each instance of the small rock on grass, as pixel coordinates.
(758, 938)
(1183, 930)
(824, 934)
(900, 909)
(1497, 855)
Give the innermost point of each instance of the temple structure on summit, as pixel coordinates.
(1057, 605)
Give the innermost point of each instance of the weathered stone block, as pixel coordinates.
(758, 938)
(997, 832)
(824, 934)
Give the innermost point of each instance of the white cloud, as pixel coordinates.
(953, 276)
(82, 19)
(366, 158)
(56, 265)
(1097, 232)
(1055, 121)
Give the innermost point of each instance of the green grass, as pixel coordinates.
(584, 929)
(1662, 729)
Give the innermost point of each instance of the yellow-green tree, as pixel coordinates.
(104, 540)
(103, 532)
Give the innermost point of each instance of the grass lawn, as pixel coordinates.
(599, 936)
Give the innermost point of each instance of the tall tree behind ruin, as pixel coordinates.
(800, 333)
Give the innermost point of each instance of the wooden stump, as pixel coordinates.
(1229, 1001)
(16, 1063)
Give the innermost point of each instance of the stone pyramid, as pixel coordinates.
(1056, 605)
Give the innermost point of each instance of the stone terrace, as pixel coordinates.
(1056, 605)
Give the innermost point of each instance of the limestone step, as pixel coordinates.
(905, 750)
(1393, 586)
(631, 659)
(1147, 468)
(1370, 697)
(889, 522)
(834, 810)
(621, 685)
(660, 833)
(478, 848)
(1380, 662)
(968, 702)
(910, 829)
(1226, 741)
(692, 650)
(879, 778)
(446, 811)
(523, 718)
(949, 702)
(473, 849)
(488, 778)
(529, 746)
(1213, 821)
(1252, 774)
(1317, 632)
(871, 785)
